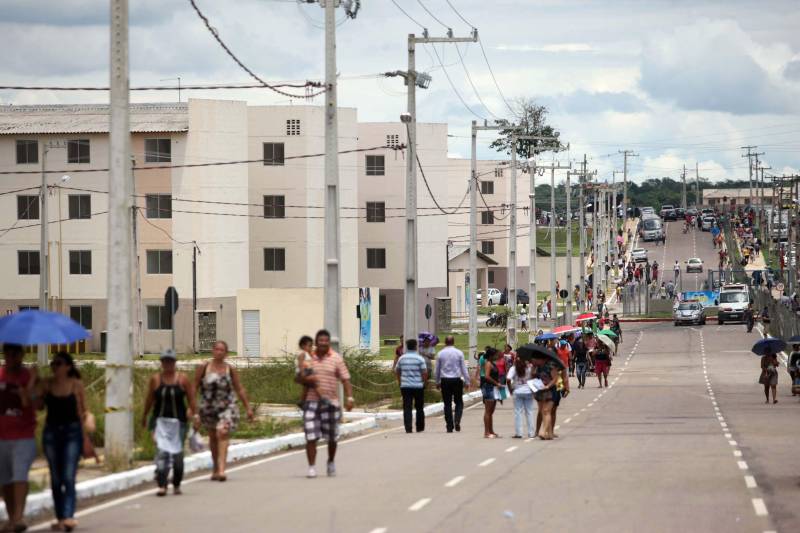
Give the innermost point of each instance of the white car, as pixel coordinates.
(639, 255)
(694, 264)
(493, 296)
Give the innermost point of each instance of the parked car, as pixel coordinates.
(522, 297)
(692, 211)
(639, 255)
(648, 211)
(680, 212)
(689, 312)
(707, 223)
(667, 212)
(695, 264)
(493, 296)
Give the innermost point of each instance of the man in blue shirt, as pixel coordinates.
(412, 373)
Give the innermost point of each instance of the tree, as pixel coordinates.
(531, 119)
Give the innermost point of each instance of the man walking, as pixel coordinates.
(451, 375)
(322, 412)
(412, 375)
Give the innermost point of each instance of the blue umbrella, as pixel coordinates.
(546, 337)
(769, 344)
(46, 327)
(423, 335)
(794, 340)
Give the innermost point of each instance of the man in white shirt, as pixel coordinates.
(523, 318)
(451, 374)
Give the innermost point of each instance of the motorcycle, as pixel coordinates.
(496, 320)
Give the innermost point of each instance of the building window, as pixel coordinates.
(80, 206)
(158, 317)
(157, 150)
(159, 261)
(273, 154)
(82, 314)
(293, 126)
(498, 173)
(376, 257)
(392, 141)
(275, 259)
(274, 207)
(376, 165)
(27, 151)
(487, 187)
(487, 247)
(376, 211)
(28, 207)
(490, 275)
(78, 151)
(382, 305)
(487, 217)
(28, 262)
(80, 262)
(158, 205)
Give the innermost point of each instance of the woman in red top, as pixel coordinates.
(17, 428)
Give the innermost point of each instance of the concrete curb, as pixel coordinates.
(41, 502)
(645, 319)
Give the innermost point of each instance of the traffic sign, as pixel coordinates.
(428, 311)
(171, 299)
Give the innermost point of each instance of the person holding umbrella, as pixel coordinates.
(17, 429)
(768, 348)
(602, 359)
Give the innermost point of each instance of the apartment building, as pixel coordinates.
(251, 231)
(381, 233)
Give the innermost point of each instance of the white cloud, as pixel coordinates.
(552, 48)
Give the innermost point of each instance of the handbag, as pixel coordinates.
(763, 378)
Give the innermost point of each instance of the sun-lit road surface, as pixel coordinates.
(681, 441)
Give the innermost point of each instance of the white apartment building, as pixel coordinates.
(240, 191)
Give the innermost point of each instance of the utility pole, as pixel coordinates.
(333, 275)
(414, 79)
(568, 254)
(138, 337)
(583, 176)
(697, 185)
(683, 190)
(119, 356)
(749, 155)
(195, 250)
(761, 209)
(625, 154)
(42, 356)
(511, 331)
(473, 239)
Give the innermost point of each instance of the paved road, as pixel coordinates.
(681, 441)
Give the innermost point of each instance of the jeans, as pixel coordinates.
(580, 371)
(417, 396)
(163, 461)
(523, 403)
(452, 391)
(62, 446)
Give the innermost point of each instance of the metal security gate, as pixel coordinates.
(251, 333)
(207, 330)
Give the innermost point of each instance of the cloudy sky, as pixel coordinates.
(677, 81)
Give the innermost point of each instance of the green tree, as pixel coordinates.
(531, 119)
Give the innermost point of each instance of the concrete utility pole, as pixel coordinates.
(625, 154)
(42, 357)
(333, 275)
(683, 190)
(568, 255)
(583, 176)
(119, 356)
(697, 184)
(413, 79)
(138, 337)
(761, 209)
(511, 330)
(749, 155)
(473, 239)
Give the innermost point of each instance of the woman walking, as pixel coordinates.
(769, 375)
(168, 393)
(489, 379)
(794, 367)
(62, 439)
(218, 385)
(518, 378)
(547, 372)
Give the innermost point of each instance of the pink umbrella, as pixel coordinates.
(563, 330)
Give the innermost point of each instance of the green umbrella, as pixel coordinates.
(609, 333)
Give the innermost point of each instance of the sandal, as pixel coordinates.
(69, 525)
(56, 526)
(214, 477)
(162, 491)
(222, 477)
(490, 436)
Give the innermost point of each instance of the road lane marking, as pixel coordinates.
(568, 420)
(728, 435)
(510, 449)
(732, 442)
(760, 507)
(379, 530)
(487, 462)
(750, 482)
(419, 504)
(737, 453)
(555, 428)
(455, 481)
(742, 465)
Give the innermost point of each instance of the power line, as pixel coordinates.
(430, 192)
(162, 230)
(494, 79)
(452, 85)
(201, 87)
(308, 85)
(409, 17)
(469, 78)
(434, 17)
(458, 14)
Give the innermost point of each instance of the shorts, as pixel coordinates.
(487, 389)
(321, 420)
(16, 458)
(602, 367)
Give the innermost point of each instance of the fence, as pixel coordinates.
(784, 322)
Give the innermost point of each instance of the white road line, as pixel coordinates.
(419, 504)
(732, 442)
(555, 428)
(750, 482)
(487, 462)
(379, 530)
(760, 507)
(723, 424)
(737, 453)
(568, 420)
(455, 481)
(510, 449)
(728, 435)
(742, 465)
